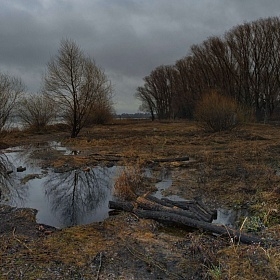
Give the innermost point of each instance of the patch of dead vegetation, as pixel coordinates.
(231, 169)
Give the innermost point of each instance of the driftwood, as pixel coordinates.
(185, 208)
(171, 159)
(164, 211)
(195, 206)
(116, 157)
(21, 169)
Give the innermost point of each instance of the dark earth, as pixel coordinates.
(227, 169)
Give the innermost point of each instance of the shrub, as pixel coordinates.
(216, 112)
(100, 114)
(36, 111)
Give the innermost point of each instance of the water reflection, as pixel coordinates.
(62, 199)
(79, 197)
(8, 189)
(231, 217)
(164, 182)
(29, 156)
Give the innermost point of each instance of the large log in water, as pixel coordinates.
(165, 216)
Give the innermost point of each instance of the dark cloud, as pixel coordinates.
(127, 38)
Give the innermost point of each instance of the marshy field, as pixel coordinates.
(235, 172)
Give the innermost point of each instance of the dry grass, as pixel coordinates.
(249, 262)
(237, 168)
(131, 182)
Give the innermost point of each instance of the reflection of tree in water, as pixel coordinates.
(77, 192)
(31, 155)
(10, 190)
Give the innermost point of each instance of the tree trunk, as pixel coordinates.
(164, 214)
(172, 159)
(189, 205)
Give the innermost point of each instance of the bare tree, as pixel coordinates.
(255, 50)
(189, 86)
(147, 99)
(157, 94)
(36, 111)
(244, 65)
(75, 83)
(10, 90)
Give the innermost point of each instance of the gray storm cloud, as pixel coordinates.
(127, 38)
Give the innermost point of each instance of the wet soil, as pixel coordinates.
(227, 169)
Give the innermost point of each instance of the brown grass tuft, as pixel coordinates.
(130, 182)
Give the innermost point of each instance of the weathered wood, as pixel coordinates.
(166, 216)
(171, 159)
(190, 206)
(196, 206)
(204, 208)
(181, 204)
(146, 204)
(200, 214)
(159, 201)
(121, 205)
(236, 235)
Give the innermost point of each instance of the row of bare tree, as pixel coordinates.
(74, 88)
(243, 64)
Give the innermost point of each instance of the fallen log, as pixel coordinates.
(146, 204)
(236, 235)
(121, 205)
(163, 216)
(194, 206)
(190, 206)
(171, 159)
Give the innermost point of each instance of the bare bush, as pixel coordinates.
(102, 111)
(10, 90)
(216, 112)
(36, 111)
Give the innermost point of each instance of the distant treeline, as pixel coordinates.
(243, 64)
(133, 116)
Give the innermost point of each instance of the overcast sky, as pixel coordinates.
(127, 38)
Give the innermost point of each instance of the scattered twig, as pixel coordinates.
(242, 228)
(99, 267)
(20, 241)
(150, 261)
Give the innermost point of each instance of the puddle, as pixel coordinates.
(231, 217)
(63, 197)
(73, 197)
(40, 147)
(164, 182)
(66, 151)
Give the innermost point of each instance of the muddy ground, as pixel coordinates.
(228, 169)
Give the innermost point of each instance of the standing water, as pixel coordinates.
(69, 196)
(62, 197)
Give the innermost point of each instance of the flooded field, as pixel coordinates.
(63, 196)
(234, 172)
